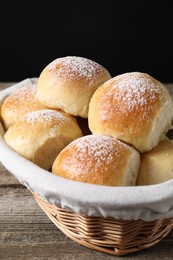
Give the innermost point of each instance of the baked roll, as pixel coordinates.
(18, 103)
(133, 107)
(68, 84)
(40, 135)
(101, 160)
(156, 165)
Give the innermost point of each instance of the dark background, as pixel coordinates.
(121, 35)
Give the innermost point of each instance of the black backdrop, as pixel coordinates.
(121, 35)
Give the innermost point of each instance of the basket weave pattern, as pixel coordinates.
(109, 235)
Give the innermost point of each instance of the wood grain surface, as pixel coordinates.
(27, 233)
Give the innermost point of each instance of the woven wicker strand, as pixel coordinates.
(109, 235)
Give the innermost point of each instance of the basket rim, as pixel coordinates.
(60, 191)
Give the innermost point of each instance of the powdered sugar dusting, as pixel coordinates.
(44, 116)
(133, 91)
(100, 149)
(72, 66)
(23, 93)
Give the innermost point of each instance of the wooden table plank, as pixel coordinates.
(4, 85)
(27, 233)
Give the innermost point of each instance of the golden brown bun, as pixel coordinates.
(68, 83)
(133, 107)
(99, 160)
(40, 135)
(17, 104)
(156, 165)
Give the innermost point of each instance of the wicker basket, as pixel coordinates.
(109, 235)
(114, 235)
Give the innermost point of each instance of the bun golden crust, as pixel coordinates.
(156, 165)
(17, 104)
(68, 83)
(40, 135)
(99, 160)
(133, 107)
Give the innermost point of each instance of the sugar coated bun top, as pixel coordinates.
(18, 103)
(133, 107)
(156, 165)
(40, 135)
(101, 160)
(68, 83)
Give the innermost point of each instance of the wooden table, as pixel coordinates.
(27, 233)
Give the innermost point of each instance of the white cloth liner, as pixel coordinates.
(139, 202)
